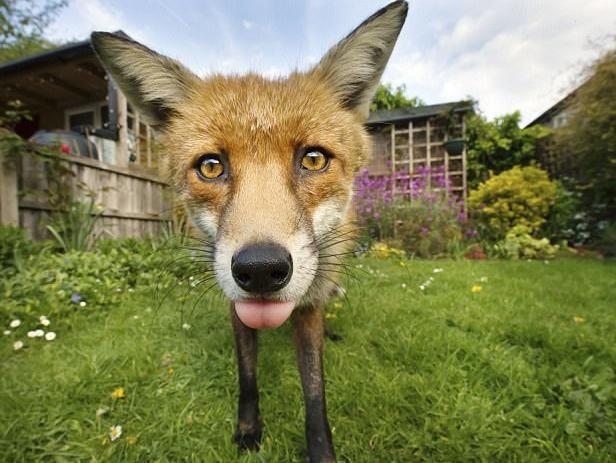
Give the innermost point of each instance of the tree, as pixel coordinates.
(22, 25)
(498, 145)
(386, 97)
(589, 137)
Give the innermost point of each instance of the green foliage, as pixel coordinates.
(606, 244)
(589, 137)
(386, 97)
(496, 146)
(519, 196)
(566, 221)
(73, 228)
(13, 246)
(22, 25)
(519, 244)
(47, 282)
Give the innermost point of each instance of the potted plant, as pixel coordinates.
(452, 144)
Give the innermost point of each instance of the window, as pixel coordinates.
(95, 115)
(83, 118)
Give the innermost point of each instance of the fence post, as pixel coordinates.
(9, 206)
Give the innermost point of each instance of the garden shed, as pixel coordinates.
(70, 96)
(408, 141)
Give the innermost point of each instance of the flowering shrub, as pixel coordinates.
(519, 196)
(425, 219)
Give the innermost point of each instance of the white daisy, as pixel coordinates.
(15, 323)
(50, 336)
(32, 334)
(45, 322)
(39, 333)
(437, 270)
(185, 326)
(18, 345)
(7, 332)
(115, 432)
(82, 304)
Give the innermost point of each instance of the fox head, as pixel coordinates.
(265, 167)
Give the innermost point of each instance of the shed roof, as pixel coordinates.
(67, 76)
(60, 54)
(388, 116)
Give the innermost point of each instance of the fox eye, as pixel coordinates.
(314, 160)
(210, 166)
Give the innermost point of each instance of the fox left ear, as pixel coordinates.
(154, 84)
(354, 66)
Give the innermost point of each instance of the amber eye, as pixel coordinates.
(314, 160)
(210, 166)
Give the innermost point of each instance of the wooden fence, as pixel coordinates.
(134, 203)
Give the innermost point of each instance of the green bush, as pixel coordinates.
(521, 196)
(606, 244)
(567, 221)
(13, 245)
(55, 284)
(519, 244)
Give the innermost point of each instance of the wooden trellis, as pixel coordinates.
(415, 144)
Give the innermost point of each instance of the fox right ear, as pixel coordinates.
(154, 84)
(354, 66)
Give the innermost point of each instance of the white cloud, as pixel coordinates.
(93, 15)
(509, 56)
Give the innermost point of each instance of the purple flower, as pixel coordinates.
(76, 298)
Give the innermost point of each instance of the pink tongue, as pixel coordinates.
(263, 314)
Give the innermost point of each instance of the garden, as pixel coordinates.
(467, 329)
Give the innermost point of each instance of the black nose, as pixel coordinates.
(262, 268)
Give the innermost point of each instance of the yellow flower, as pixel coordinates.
(578, 320)
(118, 393)
(170, 371)
(131, 440)
(476, 289)
(330, 316)
(337, 305)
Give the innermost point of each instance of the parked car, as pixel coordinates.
(68, 141)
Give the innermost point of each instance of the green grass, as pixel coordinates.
(505, 374)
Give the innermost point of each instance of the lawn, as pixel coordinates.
(519, 369)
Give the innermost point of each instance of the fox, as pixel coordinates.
(265, 170)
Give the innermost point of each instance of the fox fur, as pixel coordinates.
(262, 126)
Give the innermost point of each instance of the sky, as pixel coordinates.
(509, 55)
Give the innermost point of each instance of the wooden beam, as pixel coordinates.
(122, 143)
(91, 70)
(9, 209)
(14, 88)
(57, 82)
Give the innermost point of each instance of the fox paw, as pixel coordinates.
(248, 440)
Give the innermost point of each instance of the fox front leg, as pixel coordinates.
(248, 433)
(308, 335)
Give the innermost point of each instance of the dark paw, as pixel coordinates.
(248, 440)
